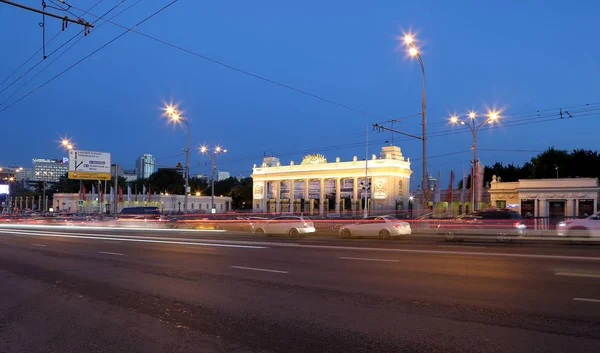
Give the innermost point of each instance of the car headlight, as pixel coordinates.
(561, 224)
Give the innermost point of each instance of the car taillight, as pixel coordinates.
(398, 226)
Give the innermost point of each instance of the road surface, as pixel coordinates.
(115, 290)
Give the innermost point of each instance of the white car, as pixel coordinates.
(382, 226)
(585, 227)
(291, 225)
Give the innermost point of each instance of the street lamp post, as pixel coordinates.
(472, 125)
(212, 154)
(414, 52)
(69, 145)
(176, 117)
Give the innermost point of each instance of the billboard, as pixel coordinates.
(4, 189)
(89, 165)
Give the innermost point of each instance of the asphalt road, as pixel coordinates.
(114, 290)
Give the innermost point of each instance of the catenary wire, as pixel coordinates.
(33, 55)
(69, 48)
(87, 56)
(248, 73)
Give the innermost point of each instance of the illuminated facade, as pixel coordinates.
(317, 186)
(553, 198)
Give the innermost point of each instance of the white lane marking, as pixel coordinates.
(40, 245)
(587, 300)
(41, 226)
(577, 274)
(258, 269)
(119, 236)
(110, 253)
(365, 259)
(462, 246)
(142, 240)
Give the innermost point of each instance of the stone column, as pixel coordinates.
(595, 205)
(277, 196)
(543, 209)
(292, 196)
(576, 207)
(307, 207)
(355, 194)
(338, 188)
(322, 197)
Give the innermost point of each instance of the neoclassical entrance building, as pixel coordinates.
(318, 186)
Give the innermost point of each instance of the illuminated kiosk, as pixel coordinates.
(316, 186)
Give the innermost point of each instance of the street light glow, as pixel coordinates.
(217, 149)
(493, 115)
(170, 110)
(462, 122)
(65, 142)
(413, 51)
(454, 119)
(472, 115)
(408, 39)
(203, 149)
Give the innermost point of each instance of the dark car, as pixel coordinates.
(140, 215)
(500, 223)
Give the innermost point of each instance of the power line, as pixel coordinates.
(87, 56)
(37, 52)
(69, 48)
(248, 73)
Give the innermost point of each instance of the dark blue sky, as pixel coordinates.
(522, 56)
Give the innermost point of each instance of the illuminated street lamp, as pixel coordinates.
(413, 51)
(474, 127)
(67, 144)
(212, 154)
(175, 116)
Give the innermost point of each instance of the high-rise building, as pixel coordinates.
(50, 170)
(144, 166)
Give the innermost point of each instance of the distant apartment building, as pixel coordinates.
(144, 166)
(223, 176)
(201, 176)
(49, 170)
(129, 175)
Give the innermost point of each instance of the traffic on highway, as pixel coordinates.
(492, 224)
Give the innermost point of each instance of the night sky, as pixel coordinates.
(518, 56)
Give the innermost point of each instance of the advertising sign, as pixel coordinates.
(89, 165)
(4, 189)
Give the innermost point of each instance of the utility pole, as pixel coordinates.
(366, 211)
(116, 197)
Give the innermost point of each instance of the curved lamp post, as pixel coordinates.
(212, 154)
(472, 124)
(409, 41)
(175, 116)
